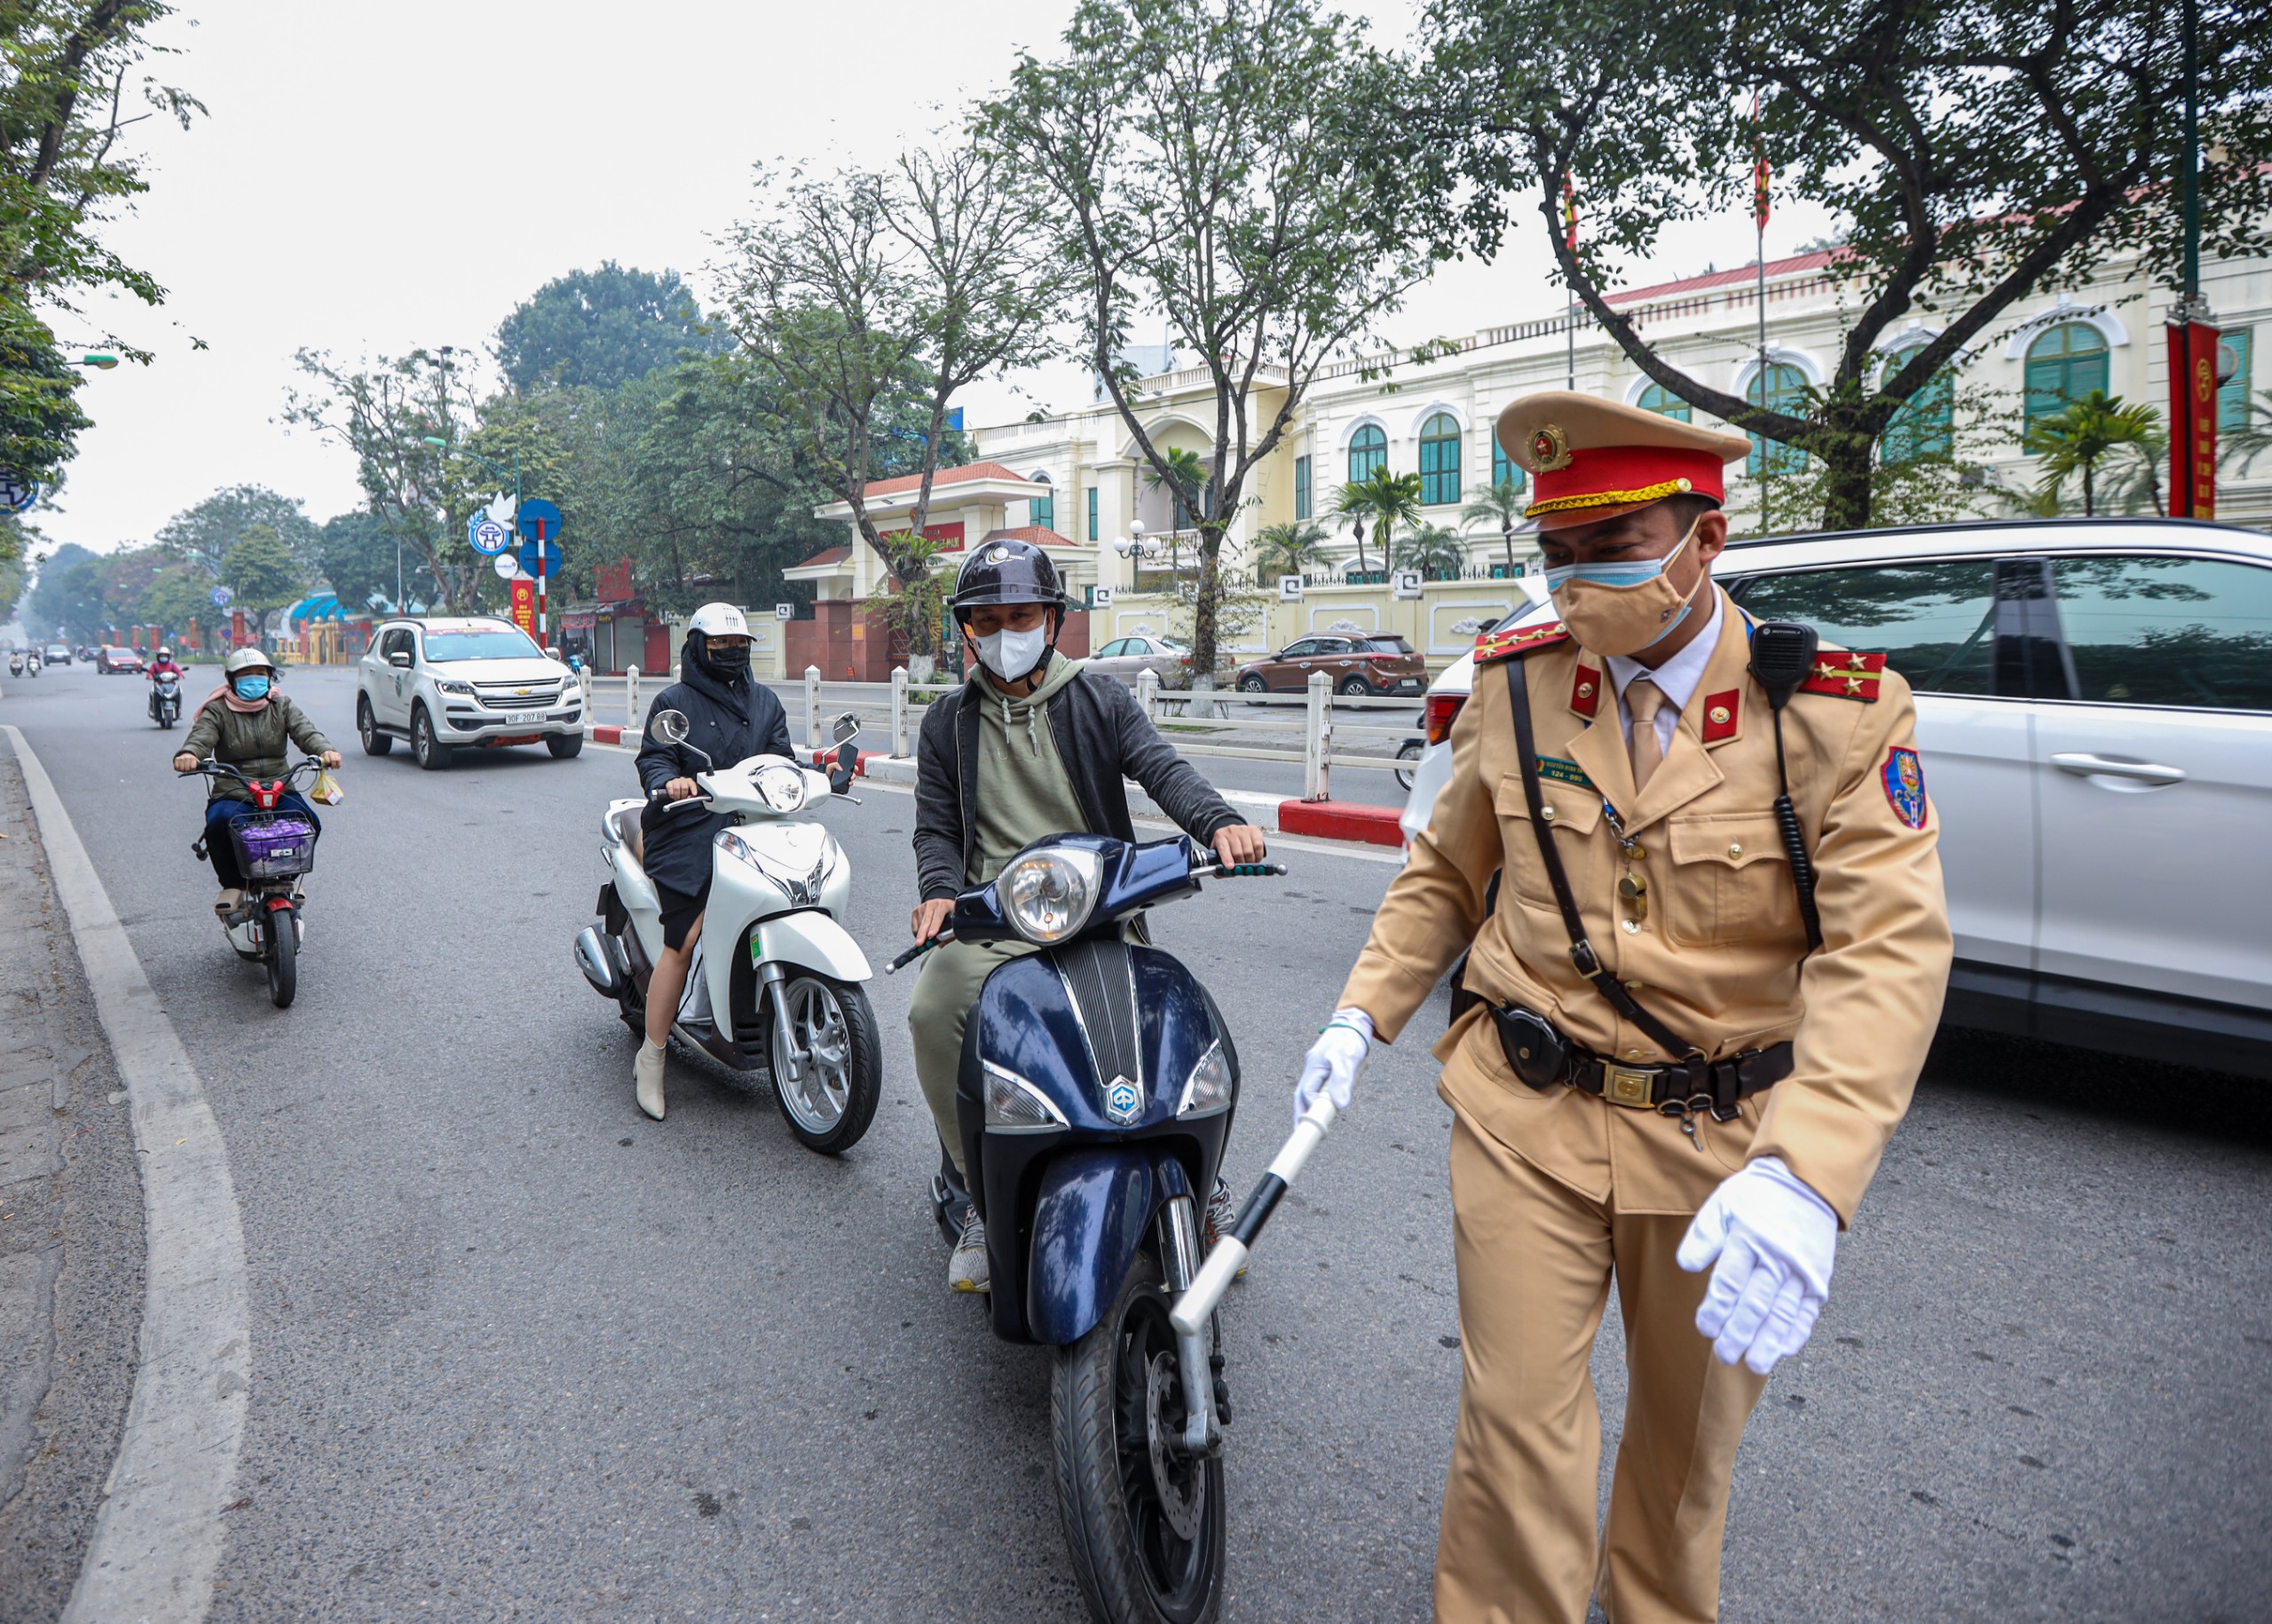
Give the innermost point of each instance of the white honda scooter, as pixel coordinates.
(776, 981)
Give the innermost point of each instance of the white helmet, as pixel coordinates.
(719, 620)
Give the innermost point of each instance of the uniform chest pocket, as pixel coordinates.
(1573, 818)
(1731, 881)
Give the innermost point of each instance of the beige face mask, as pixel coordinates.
(1622, 608)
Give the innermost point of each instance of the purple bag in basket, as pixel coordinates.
(274, 845)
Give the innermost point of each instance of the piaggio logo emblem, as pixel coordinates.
(1124, 1102)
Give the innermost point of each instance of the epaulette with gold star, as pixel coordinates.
(1518, 639)
(1845, 673)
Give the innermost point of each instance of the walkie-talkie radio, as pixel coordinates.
(1782, 653)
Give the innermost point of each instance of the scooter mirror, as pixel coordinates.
(846, 729)
(672, 725)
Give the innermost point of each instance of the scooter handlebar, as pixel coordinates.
(1230, 1251)
(917, 952)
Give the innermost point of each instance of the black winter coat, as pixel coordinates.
(731, 724)
(1102, 737)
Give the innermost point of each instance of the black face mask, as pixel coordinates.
(728, 663)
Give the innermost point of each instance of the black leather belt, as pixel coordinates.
(1543, 1058)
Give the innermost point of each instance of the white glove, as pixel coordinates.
(1334, 1059)
(1775, 1241)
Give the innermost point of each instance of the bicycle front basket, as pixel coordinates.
(273, 845)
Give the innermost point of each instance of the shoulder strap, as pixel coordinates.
(1582, 951)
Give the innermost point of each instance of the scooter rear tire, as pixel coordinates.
(1132, 1565)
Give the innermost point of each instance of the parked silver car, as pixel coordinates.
(1127, 657)
(2095, 716)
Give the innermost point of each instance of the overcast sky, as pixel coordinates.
(372, 178)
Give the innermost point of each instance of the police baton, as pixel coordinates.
(1230, 1254)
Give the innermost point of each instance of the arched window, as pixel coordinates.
(1440, 460)
(1664, 403)
(1042, 509)
(2063, 364)
(1504, 468)
(1926, 426)
(1786, 391)
(1368, 452)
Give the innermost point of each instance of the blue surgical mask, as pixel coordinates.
(1631, 574)
(253, 685)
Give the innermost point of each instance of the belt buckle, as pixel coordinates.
(1629, 1085)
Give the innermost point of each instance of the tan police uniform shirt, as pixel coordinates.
(1720, 955)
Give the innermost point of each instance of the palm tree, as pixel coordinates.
(1290, 548)
(1188, 487)
(1499, 504)
(2253, 437)
(2076, 437)
(1438, 551)
(1388, 500)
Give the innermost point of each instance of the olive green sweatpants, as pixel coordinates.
(944, 992)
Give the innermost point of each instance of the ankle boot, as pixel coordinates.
(647, 1074)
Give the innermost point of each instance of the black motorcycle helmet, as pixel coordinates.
(1006, 571)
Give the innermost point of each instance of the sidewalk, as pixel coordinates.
(71, 1235)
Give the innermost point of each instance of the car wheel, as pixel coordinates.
(366, 729)
(1356, 687)
(564, 744)
(1251, 683)
(429, 753)
(1410, 753)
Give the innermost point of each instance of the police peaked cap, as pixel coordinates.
(1006, 571)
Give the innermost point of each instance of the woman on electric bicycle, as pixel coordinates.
(245, 723)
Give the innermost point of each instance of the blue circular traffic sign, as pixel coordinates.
(489, 538)
(538, 520)
(550, 563)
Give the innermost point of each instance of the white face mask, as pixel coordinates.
(1012, 655)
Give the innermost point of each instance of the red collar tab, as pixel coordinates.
(1723, 713)
(1518, 639)
(1585, 690)
(1846, 674)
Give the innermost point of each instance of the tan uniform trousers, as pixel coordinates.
(1518, 1544)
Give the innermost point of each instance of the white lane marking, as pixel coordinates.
(158, 1533)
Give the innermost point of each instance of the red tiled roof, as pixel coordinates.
(828, 554)
(967, 474)
(1743, 275)
(1040, 535)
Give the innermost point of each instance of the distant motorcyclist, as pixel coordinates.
(162, 665)
(729, 718)
(246, 722)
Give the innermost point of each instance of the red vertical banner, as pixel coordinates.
(237, 629)
(2193, 420)
(524, 605)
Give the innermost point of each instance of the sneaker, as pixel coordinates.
(967, 1270)
(1222, 1217)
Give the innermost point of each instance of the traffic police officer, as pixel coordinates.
(1655, 1067)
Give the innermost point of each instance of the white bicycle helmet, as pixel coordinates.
(719, 620)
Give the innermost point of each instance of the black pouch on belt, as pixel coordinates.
(1539, 1054)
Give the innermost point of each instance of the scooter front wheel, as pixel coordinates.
(827, 1063)
(281, 945)
(1145, 1521)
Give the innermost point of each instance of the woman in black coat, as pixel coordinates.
(729, 718)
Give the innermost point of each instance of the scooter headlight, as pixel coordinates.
(1208, 1088)
(781, 788)
(1015, 1106)
(1049, 894)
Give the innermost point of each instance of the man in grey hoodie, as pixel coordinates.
(1033, 745)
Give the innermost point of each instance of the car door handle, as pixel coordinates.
(2085, 766)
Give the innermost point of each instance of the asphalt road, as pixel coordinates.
(520, 1354)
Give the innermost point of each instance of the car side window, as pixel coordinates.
(1301, 649)
(1118, 645)
(1934, 621)
(2191, 632)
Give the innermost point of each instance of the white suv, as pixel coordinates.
(443, 684)
(2095, 712)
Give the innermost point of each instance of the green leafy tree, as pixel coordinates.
(261, 571)
(1970, 155)
(1386, 501)
(358, 558)
(1201, 163)
(40, 419)
(207, 530)
(1436, 551)
(1500, 505)
(67, 596)
(2242, 445)
(1294, 548)
(2081, 435)
(178, 597)
(600, 329)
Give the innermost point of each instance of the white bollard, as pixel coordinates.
(812, 707)
(631, 698)
(1148, 693)
(1317, 740)
(899, 711)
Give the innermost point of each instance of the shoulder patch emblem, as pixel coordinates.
(1904, 786)
(1518, 639)
(1846, 674)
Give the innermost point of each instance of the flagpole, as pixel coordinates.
(1759, 220)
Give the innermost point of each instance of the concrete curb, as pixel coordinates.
(158, 1535)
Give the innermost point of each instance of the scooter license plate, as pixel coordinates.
(523, 718)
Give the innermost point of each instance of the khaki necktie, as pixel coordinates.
(1643, 699)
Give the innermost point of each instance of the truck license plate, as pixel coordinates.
(523, 717)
